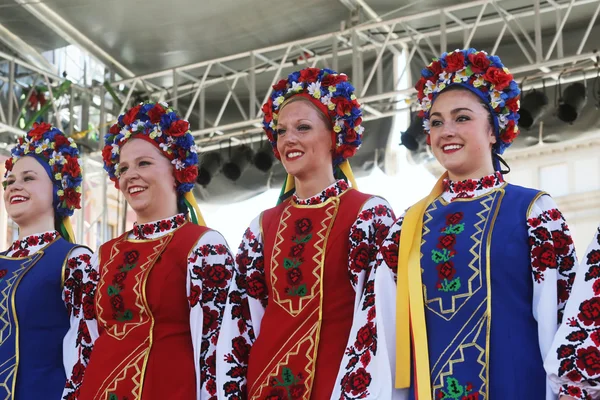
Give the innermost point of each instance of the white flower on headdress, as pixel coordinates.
(495, 98)
(156, 132)
(327, 101)
(277, 102)
(502, 120)
(444, 77)
(115, 149)
(480, 81)
(314, 89)
(359, 129)
(124, 130)
(193, 149)
(136, 125)
(164, 104)
(461, 76)
(296, 87)
(426, 124)
(429, 87)
(178, 164)
(425, 104)
(164, 147)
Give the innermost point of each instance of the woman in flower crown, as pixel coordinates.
(163, 285)
(302, 265)
(47, 282)
(483, 268)
(574, 359)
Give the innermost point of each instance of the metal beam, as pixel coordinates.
(72, 35)
(25, 50)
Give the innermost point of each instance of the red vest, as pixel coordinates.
(305, 328)
(144, 350)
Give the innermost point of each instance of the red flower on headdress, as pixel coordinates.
(351, 135)
(71, 167)
(309, 75)
(479, 62)
(333, 79)
(72, 198)
(342, 105)
(39, 129)
(187, 174)
(8, 164)
(178, 128)
(346, 151)
(513, 104)
(435, 67)
(455, 61)
(107, 154)
(498, 77)
(266, 109)
(131, 115)
(115, 129)
(155, 113)
(510, 132)
(61, 140)
(282, 84)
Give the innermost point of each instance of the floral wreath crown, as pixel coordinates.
(160, 125)
(61, 160)
(332, 94)
(482, 74)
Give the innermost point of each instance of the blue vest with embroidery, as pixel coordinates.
(478, 295)
(33, 323)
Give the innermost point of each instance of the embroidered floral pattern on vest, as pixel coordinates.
(120, 313)
(287, 386)
(142, 231)
(30, 244)
(470, 188)
(455, 391)
(293, 263)
(447, 282)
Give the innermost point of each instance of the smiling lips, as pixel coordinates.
(18, 199)
(134, 190)
(451, 148)
(293, 155)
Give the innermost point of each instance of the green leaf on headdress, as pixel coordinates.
(468, 71)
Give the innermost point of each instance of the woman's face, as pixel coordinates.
(29, 193)
(146, 180)
(461, 135)
(303, 140)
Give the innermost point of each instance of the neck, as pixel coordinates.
(477, 174)
(38, 226)
(310, 186)
(143, 218)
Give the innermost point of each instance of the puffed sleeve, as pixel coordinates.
(210, 269)
(367, 370)
(245, 308)
(81, 279)
(574, 359)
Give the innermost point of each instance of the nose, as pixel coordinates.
(448, 130)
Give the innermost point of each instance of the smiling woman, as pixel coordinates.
(46, 278)
(301, 266)
(163, 285)
(483, 268)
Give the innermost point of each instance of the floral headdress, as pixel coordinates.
(482, 74)
(160, 125)
(59, 156)
(332, 94)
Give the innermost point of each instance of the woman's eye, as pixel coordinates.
(303, 127)
(280, 131)
(28, 178)
(122, 170)
(144, 163)
(436, 123)
(462, 118)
